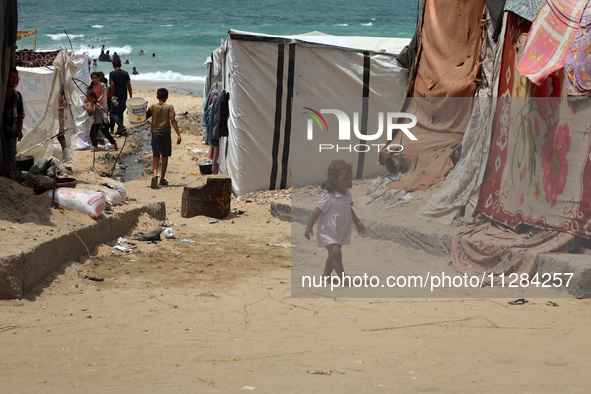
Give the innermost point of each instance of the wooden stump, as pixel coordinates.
(212, 199)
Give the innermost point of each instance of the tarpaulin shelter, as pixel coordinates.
(47, 90)
(265, 74)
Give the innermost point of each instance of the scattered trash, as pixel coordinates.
(187, 240)
(168, 233)
(217, 221)
(122, 248)
(95, 278)
(248, 388)
(519, 301)
(266, 196)
(196, 150)
(550, 303)
(283, 244)
(153, 235)
(330, 371)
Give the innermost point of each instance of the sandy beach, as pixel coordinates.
(210, 310)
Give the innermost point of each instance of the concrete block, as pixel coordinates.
(577, 264)
(281, 209)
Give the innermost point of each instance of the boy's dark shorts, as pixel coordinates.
(161, 143)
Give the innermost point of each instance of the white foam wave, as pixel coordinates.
(94, 53)
(98, 26)
(166, 76)
(367, 24)
(61, 36)
(342, 24)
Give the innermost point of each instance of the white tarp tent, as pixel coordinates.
(41, 88)
(265, 75)
(35, 85)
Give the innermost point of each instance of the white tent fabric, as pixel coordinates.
(265, 75)
(37, 141)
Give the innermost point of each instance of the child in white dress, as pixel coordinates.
(335, 211)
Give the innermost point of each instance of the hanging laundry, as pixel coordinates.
(550, 39)
(578, 60)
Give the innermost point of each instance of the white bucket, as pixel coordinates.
(136, 110)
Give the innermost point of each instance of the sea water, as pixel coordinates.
(183, 33)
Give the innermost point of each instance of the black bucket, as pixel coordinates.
(25, 162)
(205, 168)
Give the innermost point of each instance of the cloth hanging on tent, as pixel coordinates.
(495, 9)
(539, 151)
(448, 68)
(219, 118)
(463, 182)
(527, 9)
(488, 248)
(550, 39)
(578, 62)
(212, 154)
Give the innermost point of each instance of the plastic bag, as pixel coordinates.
(115, 193)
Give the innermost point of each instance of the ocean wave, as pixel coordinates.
(98, 26)
(166, 76)
(367, 24)
(61, 36)
(343, 24)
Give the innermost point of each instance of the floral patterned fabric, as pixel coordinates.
(527, 9)
(539, 167)
(578, 60)
(550, 39)
(490, 248)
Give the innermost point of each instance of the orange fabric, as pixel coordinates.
(448, 67)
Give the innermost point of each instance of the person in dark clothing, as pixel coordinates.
(119, 85)
(12, 120)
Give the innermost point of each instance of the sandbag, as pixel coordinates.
(88, 202)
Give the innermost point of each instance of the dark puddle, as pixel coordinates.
(130, 166)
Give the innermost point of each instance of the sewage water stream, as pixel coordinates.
(130, 166)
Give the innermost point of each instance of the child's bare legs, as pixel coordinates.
(164, 167)
(334, 261)
(155, 163)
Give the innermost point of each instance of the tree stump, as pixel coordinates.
(212, 199)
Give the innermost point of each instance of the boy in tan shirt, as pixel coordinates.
(162, 118)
